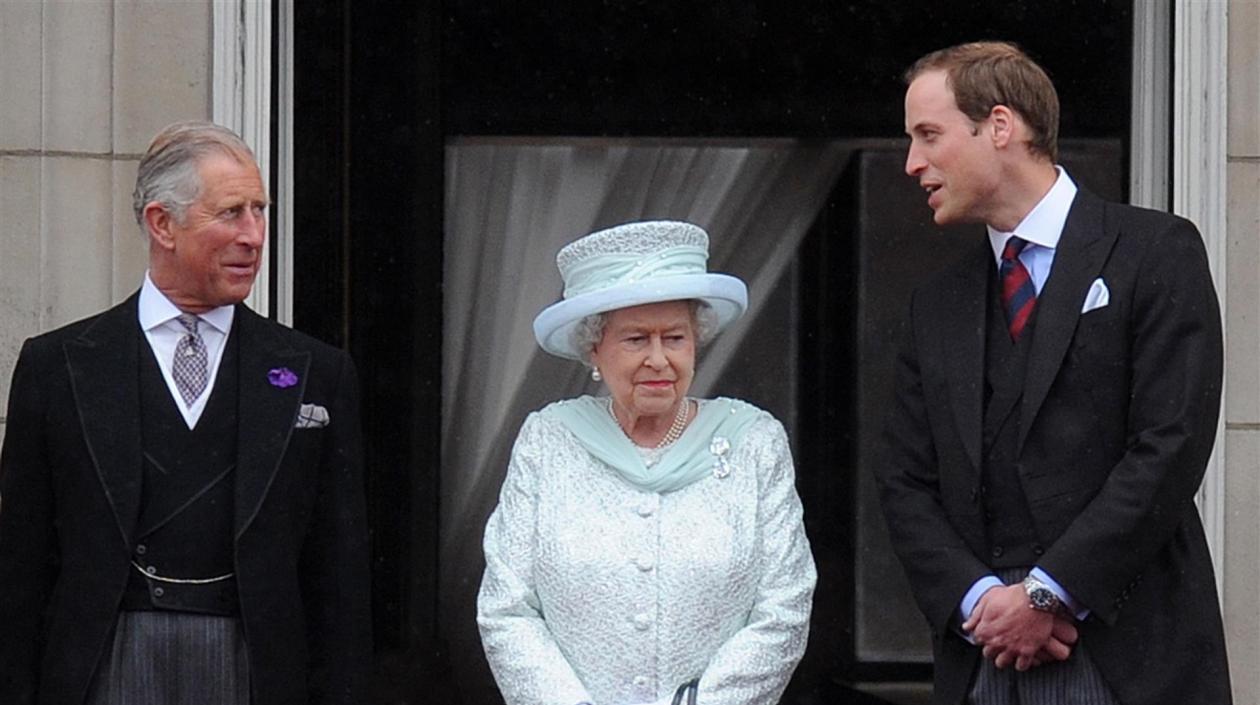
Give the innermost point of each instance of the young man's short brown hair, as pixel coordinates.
(985, 74)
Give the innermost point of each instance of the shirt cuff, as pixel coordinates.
(1077, 609)
(973, 596)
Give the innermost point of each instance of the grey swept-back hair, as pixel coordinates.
(590, 330)
(169, 172)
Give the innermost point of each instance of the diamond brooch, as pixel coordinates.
(720, 447)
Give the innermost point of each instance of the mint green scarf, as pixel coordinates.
(704, 449)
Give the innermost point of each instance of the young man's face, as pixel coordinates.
(953, 157)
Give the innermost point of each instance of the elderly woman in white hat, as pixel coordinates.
(647, 546)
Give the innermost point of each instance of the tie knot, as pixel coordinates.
(189, 322)
(1014, 246)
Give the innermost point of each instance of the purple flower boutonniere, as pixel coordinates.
(282, 377)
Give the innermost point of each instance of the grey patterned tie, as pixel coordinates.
(189, 366)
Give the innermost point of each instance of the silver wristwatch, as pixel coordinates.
(1040, 596)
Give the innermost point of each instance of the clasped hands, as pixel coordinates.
(1011, 632)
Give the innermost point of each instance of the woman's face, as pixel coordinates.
(647, 356)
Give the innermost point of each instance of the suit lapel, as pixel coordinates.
(104, 368)
(1078, 260)
(266, 410)
(961, 314)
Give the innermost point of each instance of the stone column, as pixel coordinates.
(1242, 331)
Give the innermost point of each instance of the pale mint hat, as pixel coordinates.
(633, 264)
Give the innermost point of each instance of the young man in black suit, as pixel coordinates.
(183, 516)
(1056, 404)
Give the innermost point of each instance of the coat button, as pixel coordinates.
(997, 551)
(158, 592)
(142, 549)
(1038, 549)
(645, 508)
(642, 622)
(640, 681)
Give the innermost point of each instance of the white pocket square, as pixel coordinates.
(311, 416)
(1097, 297)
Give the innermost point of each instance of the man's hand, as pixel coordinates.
(1062, 638)
(1011, 632)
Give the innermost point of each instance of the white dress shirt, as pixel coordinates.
(157, 320)
(1042, 228)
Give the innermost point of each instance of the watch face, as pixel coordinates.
(1042, 598)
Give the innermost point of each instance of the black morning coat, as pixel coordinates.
(1118, 418)
(70, 477)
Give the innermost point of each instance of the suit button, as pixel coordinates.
(158, 592)
(997, 551)
(1038, 549)
(141, 549)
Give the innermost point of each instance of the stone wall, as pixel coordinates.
(1241, 562)
(85, 85)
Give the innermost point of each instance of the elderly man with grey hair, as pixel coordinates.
(183, 514)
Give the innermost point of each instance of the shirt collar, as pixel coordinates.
(156, 309)
(1044, 223)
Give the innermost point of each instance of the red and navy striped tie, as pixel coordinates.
(1019, 297)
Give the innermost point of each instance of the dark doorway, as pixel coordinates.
(382, 90)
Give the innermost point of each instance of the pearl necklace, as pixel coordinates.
(675, 429)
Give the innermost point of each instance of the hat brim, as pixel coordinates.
(726, 295)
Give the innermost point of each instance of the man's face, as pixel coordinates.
(953, 158)
(213, 256)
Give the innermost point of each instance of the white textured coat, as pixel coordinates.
(596, 591)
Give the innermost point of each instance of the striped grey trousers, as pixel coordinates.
(173, 658)
(1075, 681)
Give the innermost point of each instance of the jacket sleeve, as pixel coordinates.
(527, 663)
(28, 540)
(756, 663)
(334, 570)
(1174, 390)
(940, 565)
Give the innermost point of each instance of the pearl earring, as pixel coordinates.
(595, 375)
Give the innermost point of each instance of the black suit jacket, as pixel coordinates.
(70, 477)
(1118, 418)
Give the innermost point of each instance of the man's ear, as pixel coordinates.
(1002, 126)
(158, 221)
